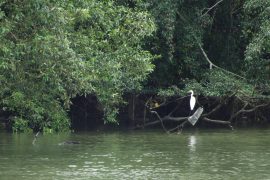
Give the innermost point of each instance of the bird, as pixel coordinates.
(192, 119)
(192, 101)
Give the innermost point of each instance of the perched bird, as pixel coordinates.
(192, 100)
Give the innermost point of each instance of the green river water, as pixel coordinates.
(196, 154)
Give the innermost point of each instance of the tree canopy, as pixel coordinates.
(52, 51)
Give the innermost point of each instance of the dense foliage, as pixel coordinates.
(257, 31)
(52, 51)
(227, 33)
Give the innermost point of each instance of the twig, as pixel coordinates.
(13, 35)
(161, 121)
(253, 109)
(244, 110)
(204, 53)
(218, 122)
(165, 118)
(209, 9)
(179, 126)
(170, 118)
(35, 138)
(238, 112)
(213, 65)
(218, 106)
(213, 110)
(174, 109)
(176, 119)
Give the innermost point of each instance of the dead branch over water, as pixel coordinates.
(225, 111)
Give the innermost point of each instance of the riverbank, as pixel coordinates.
(151, 111)
(148, 110)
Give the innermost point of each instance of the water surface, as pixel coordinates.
(218, 154)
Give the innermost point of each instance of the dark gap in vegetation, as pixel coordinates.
(86, 113)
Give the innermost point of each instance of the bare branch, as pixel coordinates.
(238, 112)
(169, 118)
(161, 121)
(178, 127)
(209, 9)
(218, 106)
(213, 110)
(244, 110)
(213, 65)
(174, 110)
(253, 109)
(205, 55)
(216, 121)
(151, 123)
(165, 118)
(35, 138)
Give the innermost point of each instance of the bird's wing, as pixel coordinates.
(192, 102)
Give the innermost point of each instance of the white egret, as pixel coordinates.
(195, 117)
(192, 100)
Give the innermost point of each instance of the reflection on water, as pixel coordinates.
(137, 155)
(192, 143)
